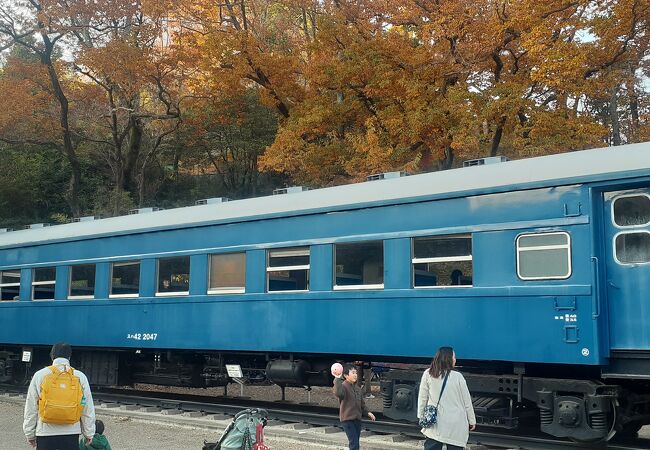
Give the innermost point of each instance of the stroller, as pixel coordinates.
(245, 432)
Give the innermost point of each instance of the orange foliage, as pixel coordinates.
(361, 86)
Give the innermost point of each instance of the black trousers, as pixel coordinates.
(62, 442)
(352, 429)
(430, 444)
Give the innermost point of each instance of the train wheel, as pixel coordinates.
(609, 422)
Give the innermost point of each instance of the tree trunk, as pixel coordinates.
(448, 160)
(562, 99)
(613, 117)
(633, 100)
(132, 154)
(72, 196)
(496, 139)
(141, 188)
(254, 176)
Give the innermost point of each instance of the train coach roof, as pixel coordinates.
(567, 168)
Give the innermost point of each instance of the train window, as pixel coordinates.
(227, 273)
(125, 279)
(633, 248)
(82, 281)
(288, 269)
(359, 265)
(631, 210)
(174, 276)
(442, 261)
(9, 284)
(544, 256)
(43, 283)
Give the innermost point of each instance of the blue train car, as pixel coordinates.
(537, 272)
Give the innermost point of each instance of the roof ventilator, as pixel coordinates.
(85, 219)
(35, 226)
(485, 161)
(387, 175)
(212, 201)
(290, 190)
(144, 210)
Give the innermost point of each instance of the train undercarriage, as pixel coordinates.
(578, 407)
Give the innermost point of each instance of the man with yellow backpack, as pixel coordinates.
(59, 405)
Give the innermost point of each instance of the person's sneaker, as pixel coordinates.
(370, 396)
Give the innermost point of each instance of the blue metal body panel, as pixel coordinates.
(500, 317)
(626, 285)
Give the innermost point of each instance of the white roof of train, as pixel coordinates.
(567, 168)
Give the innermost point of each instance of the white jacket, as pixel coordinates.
(455, 412)
(33, 426)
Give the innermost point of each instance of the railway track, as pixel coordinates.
(318, 416)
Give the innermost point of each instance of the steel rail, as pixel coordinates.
(324, 416)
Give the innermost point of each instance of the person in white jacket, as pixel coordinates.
(49, 436)
(455, 411)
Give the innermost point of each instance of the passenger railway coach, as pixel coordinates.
(537, 271)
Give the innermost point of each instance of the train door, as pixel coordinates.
(627, 265)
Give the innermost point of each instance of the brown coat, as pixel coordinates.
(351, 403)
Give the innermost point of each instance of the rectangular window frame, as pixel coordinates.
(519, 249)
(7, 285)
(358, 287)
(43, 283)
(124, 263)
(225, 290)
(613, 218)
(415, 260)
(176, 293)
(80, 297)
(628, 231)
(296, 252)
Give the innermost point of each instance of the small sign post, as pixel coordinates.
(235, 372)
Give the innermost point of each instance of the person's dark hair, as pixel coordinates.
(99, 426)
(442, 363)
(347, 368)
(61, 350)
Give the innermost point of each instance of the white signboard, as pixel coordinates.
(234, 371)
(27, 356)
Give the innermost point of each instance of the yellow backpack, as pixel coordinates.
(61, 399)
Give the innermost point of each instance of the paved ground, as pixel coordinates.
(136, 430)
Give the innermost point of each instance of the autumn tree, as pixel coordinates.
(28, 24)
(131, 57)
(402, 85)
(227, 138)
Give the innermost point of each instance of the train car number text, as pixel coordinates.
(142, 336)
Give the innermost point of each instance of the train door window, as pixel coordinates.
(633, 247)
(359, 265)
(442, 261)
(82, 281)
(631, 210)
(227, 273)
(9, 284)
(544, 256)
(43, 283)
(125, 279)
(174, 276)
(288, 269)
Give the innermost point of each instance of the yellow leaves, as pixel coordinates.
(553, 132)
(125, 65)
(29, 111)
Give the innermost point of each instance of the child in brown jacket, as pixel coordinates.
(352, 407)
